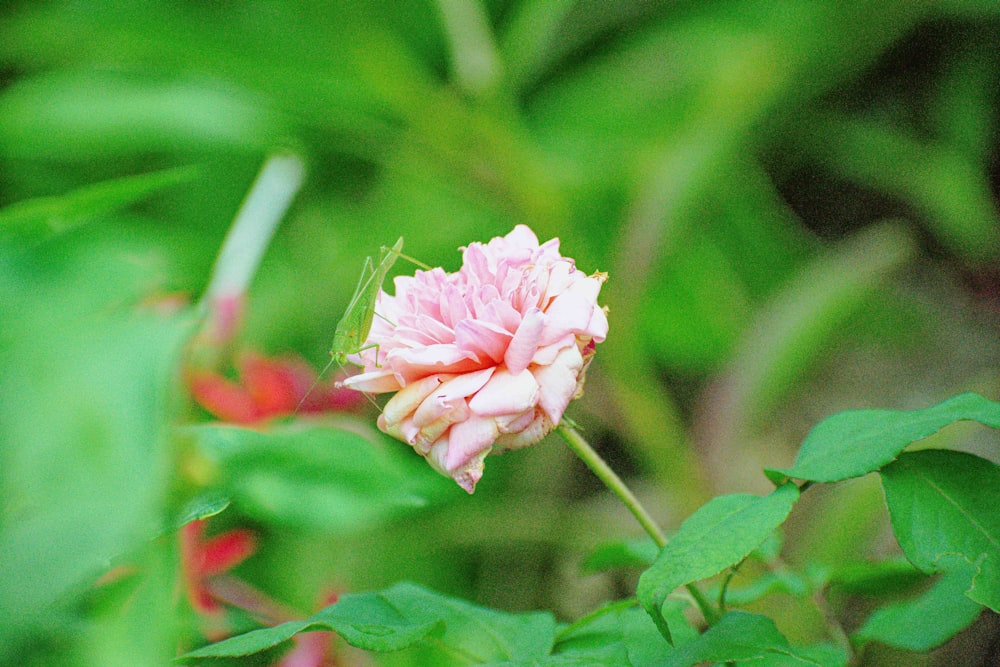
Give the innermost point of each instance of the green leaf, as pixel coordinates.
(944, 502)
(737, 636)
(84, 450)
(620, 633)
(930, 619)
(83, 113)
(857, 442)
(780, 580)
(318, 478)
(875, 578)
(402, 616)
(618, 555)
(36, 218)
(826, 654)
(719, 535)
(203, 506)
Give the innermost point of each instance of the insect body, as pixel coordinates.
(353, 328)
(355, 325)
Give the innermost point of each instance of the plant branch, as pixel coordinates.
(611, 480)
(615, 484)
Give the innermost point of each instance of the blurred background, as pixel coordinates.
(796, 204)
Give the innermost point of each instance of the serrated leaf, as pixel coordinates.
(943, 502)
(621, 633)
(857, 442)
(825, 654)
(607, 655)
(402, 616)
(930, 619)
(366, 620)
(316, 478)
(720, 534)
(737, 636)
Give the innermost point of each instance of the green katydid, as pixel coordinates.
(352, 330)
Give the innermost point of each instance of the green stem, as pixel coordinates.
(245, 243)
(615, 484)
(611, 480)
(255, 223)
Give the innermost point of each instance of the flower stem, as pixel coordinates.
(246, 241)
(615, 484)
(258, 217)
(611, 480)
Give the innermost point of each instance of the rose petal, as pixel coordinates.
(482, 339)
(548, 353)
(562, 275)
(470, 476)
(521, 237)
(515, 423)
(423, 440)
(453, 306)
(414, 337)
(449, 395)
(536, 429)
(559, 382)
(505, 394)
(503, 314)
(525, 342)
(404, 430)
(417, 362)
(570, 312)
(469, 439)
(409, 397)
(434, 329)
(480, 301)
(598, 326)
(375, 382)
(465, 476)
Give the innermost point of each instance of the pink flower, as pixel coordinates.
(485, 359)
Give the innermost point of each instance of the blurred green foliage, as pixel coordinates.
(796, 204)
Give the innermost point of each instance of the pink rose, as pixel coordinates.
(484, 359)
